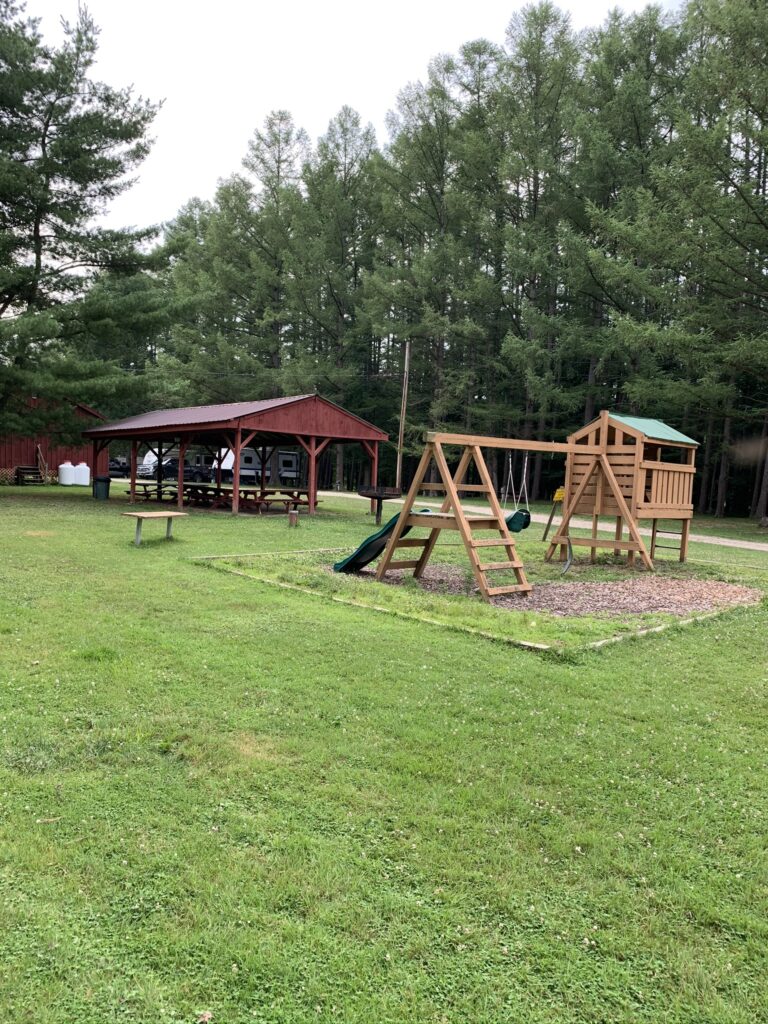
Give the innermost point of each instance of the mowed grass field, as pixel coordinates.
(218, 797)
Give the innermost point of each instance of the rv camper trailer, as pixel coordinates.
(250, 467)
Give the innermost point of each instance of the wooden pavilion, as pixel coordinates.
(309, 421)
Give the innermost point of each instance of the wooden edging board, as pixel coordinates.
(525, 645)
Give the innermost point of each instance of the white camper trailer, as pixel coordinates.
(249, 461)
(250, 467)
(197, 464)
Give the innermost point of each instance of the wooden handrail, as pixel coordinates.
(673, 467)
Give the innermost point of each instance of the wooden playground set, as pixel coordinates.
(625, 467)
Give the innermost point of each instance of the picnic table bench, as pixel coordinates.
(141, 516)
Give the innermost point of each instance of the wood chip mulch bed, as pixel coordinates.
(631, 596)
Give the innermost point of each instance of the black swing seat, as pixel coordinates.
(519, 520)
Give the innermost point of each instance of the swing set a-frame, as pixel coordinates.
(613, 467)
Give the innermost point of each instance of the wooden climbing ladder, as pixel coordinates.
(452, 516)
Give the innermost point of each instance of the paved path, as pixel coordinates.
(583, 524)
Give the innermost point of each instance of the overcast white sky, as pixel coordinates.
(222, 66)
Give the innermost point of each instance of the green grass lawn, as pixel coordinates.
(220, 796)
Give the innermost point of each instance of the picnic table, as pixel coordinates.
(255, 499)
(208, 495)
(290, 497)
(149, 490)
(141, 516)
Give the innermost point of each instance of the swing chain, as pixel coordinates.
(510, 484)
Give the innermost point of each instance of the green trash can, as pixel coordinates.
(101, 487)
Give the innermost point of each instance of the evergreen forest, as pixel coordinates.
(558, 222)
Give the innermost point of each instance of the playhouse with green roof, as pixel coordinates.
(633, 469)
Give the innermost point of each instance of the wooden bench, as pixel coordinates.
(141, 516)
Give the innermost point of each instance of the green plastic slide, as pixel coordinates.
(372, 546)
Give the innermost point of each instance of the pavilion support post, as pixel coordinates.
(314, 451)
(263, 456)
(94, 458)
(159, 471)
(372, 450)
(236, 472)
(180, 495)
(312, 482)
(134, 467)
(219, 456)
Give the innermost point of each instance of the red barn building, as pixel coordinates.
(39, 451)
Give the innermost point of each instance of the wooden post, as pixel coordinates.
(372, 450)
(95, 458)
(375, 465)
(263, 451)
(180, 486)
(134, 467)
(685, 532)
(219, 456)
(236, 472)
(312, 474)
(159, 471)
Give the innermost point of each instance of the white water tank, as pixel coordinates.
(82, 474)
(66, 474)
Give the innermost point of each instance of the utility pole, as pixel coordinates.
(403, 406)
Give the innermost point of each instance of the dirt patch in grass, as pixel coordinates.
(39, 533)
(254, 748)
(632, 596)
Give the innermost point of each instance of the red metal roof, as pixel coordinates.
(296, 414)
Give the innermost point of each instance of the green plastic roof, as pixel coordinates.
(654, 429)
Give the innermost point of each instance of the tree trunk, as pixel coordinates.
(589, 402)
(761, 508)
(722, 480)
(760, 471)
(705, 469)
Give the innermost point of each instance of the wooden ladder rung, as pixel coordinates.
(412, 542)
(493, 566)
(409, 564)
(520, 588)
(500, 543)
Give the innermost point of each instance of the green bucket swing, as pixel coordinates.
(520, 518)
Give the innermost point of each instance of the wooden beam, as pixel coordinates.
(236, 472)
(134, 467)
(180, 477)
(312, 481)
(461, 520)
(685, 530)
(374, 471)
(513, 443)
(394, 540)
(561, 536)
(458, 477)
(626, 514)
